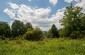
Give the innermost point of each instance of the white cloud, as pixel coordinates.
(78, 0)
(10, 23)
(69, 1)
(81, 3)
(10, 13)
(57, 17)
(14, 6)
(37, 16)
(53, 2)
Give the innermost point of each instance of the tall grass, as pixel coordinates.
(53, 46)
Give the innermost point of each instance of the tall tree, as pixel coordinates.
(72, 20)
(54, 31)
(4, 29)
(18, 28)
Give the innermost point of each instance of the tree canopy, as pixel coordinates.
(54, 31)
(18, 28)
(4, 29)
(73, 21)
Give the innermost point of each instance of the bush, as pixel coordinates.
(2, 37)
(76, 35)
(62, 33)
(49, 35)
(35, 34)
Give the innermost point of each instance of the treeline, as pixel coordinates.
(73, 27)
(26, 31)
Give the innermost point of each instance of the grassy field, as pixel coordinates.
(55, 46)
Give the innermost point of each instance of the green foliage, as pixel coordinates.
(49, 35)
(61, 33)
(73, 21)
(54, 31)
(18, 28)
(35, 34)
(28, 26)
(5, 31)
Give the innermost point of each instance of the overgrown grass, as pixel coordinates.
(55, 46)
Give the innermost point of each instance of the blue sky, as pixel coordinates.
(42, 13)
(39, 3)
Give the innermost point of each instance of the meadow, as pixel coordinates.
(53, 46)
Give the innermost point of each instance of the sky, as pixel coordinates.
(41, 13)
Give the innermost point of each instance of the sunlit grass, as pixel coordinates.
(55, 46)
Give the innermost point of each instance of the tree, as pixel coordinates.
(18, 28)
(54, 31)
(28, 26)
(72, 21)
(4, 29)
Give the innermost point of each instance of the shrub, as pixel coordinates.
(2, 37)
(62, 33)
(35, 34)
(74, 35)
(49, 35)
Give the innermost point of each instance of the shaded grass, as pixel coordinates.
(55, 46)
